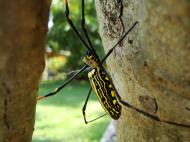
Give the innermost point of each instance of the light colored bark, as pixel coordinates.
(151, 65)
(23, 27)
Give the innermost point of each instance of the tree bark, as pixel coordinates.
(150, 68)
(23, 27)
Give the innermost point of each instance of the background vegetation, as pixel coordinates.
(62, 40)
(59, 118)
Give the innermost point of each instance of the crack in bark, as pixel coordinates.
(113, 24)
(121, 14)
(121, 20)
(5, 118)
(5, 115)
(187, 108)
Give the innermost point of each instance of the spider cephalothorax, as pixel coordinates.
(91, 60)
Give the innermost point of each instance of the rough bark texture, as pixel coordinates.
(23, 26)
(151, 66)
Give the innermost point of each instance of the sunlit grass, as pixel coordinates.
(59, 118)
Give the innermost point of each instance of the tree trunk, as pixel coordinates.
(150, 68)
(23, 27)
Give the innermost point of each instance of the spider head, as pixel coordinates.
(90, 60)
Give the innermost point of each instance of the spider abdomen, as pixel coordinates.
(105, 92)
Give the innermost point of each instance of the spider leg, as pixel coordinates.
(112, 49)
(63, 85)
(154, 117)
(84, 108)
(75, 71)
(74, 28)
(84, 29)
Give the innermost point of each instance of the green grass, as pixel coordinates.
(59, 118)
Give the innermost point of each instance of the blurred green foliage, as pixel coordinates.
(59, 118)
(56, 63)
(61, 37)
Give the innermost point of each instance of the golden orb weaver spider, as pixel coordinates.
(99, 78)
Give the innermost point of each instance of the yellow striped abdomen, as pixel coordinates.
(105, 92)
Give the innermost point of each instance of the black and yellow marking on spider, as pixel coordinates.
(105, 92)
